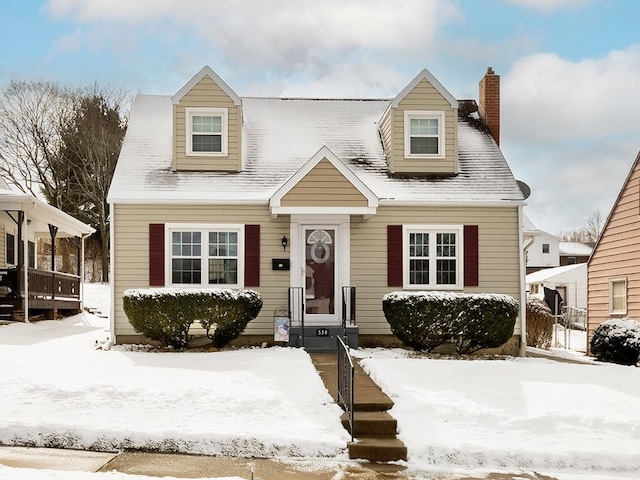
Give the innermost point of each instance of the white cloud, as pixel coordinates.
(280, 33)
(550, 100)
(550, 6)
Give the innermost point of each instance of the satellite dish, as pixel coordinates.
(524, 188)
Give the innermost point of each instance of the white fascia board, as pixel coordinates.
(324, 152)
(452, 203)
(323, 210)
(184, 201)
(425, 75)
(206, 71)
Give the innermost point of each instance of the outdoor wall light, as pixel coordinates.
(285, 242)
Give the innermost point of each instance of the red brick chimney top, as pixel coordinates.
(489, 107)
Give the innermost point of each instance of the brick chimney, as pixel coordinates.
(490, 102)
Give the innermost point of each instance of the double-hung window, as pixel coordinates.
(206, 131)
(206, 255)
(11, 248)
(424, 134)
(432, 256)
(618, 296)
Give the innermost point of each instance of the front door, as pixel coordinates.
(320, 286)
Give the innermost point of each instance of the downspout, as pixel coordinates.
(112, 276)
(81, 270)
(523, 282)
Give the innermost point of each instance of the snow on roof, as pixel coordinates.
(528, 226)
(575, 249)
(549, 274)
(281, 135)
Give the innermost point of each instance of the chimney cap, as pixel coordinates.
(490, 71)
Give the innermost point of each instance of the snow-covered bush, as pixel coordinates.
(539, 323)
(166, 314)
(617, 341)
(485, 321)
(420, 320)
(425, 320)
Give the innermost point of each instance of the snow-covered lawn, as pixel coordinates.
(515, 414)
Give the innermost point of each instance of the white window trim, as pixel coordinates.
(626, 295)
(197, 111)
(433, 229)
(438, 115)
(205, 228)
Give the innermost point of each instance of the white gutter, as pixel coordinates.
(523, 284)
(25, 265)
(111, 273)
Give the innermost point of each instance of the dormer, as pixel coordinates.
(207, 125)
(419, 129)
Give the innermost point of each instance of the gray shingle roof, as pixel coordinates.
(279, 136)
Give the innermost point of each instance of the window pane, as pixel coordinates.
(185, 270)
(424, 126)
(446, 245)
(206, 143)
(223, 271)
(418, 244)
(424, 145)
(206, 124)
(618, 296)
(446, 272)
(419, 272)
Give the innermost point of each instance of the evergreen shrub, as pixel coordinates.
(539, 323)
(485, 321)
(617, 341)
(166, 314)
(425, 320)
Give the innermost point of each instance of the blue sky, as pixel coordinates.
(570, 69)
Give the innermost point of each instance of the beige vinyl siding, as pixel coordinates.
(498, 254)
(324, 185)
(424, 97)
(131, 251)
(386, 133)
(208, 94)
(617, 255)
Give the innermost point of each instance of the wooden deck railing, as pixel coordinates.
(45, 283)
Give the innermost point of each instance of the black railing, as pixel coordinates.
(345, 381)
(348, 308)
(296, 309)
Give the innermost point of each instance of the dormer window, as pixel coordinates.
(424, 134)
(206, 131)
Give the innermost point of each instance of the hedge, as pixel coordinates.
(617, 341)
(540, 323)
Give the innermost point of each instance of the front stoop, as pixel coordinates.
(374, 429)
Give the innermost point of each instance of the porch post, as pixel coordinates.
(53, 231)
(21, 258)
(81, 270)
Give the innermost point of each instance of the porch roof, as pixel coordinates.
(41, 214)
(280, 136)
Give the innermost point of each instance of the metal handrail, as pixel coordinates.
(345, 381)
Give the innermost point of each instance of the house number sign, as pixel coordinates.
(322, 332)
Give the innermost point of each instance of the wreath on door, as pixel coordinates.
(320, 252)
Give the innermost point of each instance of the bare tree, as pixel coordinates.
(31, 117)
(89, 150)
(588, 232)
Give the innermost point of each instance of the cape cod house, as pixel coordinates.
(322, 205)
(613, 270)
(29, 287)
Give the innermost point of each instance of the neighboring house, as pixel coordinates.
(544, 251)
(25, 221)
(302, 199)
(569, 280)
(574, 252)
(614, 266)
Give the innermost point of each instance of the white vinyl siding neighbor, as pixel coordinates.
(432, 256)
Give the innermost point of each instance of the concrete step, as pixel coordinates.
(378, 449)
(371, 424)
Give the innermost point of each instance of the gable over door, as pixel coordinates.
(324, 185)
